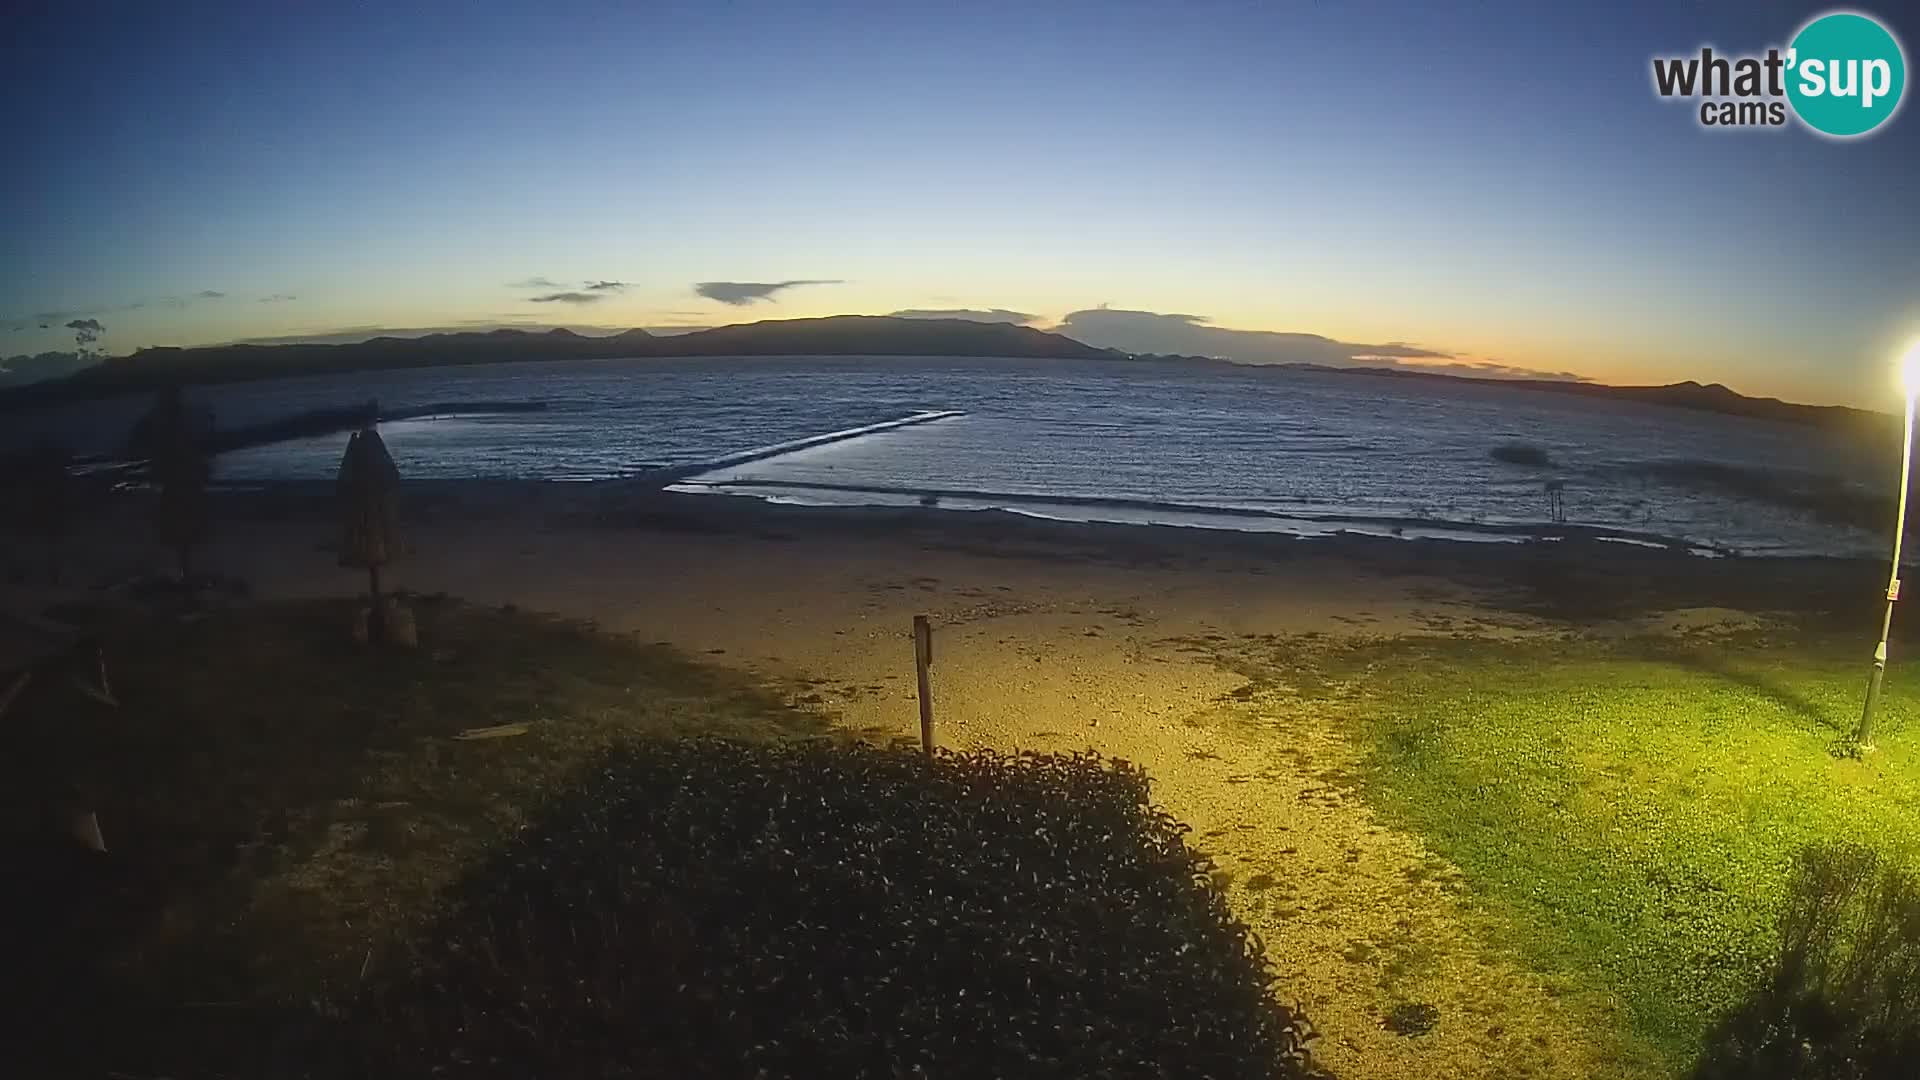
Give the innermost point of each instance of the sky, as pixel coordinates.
(1492, 188)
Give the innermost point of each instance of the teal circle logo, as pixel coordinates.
(1845, 74)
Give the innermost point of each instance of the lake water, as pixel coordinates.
(1286, 450)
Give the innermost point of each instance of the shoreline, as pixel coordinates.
(1301, 526)
(507, 538)
(679, 481)
(653, 499)
(1575, 579)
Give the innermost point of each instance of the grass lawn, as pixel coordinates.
(1626, 811)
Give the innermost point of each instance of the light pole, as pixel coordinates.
(1909, 386)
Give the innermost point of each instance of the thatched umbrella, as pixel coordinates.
(367, 488)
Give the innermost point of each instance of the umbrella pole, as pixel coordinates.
(376, 620)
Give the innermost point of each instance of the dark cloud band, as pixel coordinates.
(742, 293)
(989, 315)
(1193, 335)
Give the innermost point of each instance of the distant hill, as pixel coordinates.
(879, 335)
(1709, 397)
(839, 335)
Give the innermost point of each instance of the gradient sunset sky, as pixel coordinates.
(1499, 185)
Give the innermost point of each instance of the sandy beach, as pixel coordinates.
(1054, 636)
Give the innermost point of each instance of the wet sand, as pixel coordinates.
(1057, 636)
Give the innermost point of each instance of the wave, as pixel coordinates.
(1825, 498)
(1192, 512)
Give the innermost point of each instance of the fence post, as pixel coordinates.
(922, 660)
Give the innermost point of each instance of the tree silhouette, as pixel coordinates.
(172, 438)
(86, 335)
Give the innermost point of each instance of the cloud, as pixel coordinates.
(742, 293)
(568, 298)
(277, 298)
(41, 319)
(1193, 335)
(607, 286)
(993, 315)
(347, 335)
(535, 282)
(46, 320)
(1153, 332)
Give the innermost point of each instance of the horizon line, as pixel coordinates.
(603, 331)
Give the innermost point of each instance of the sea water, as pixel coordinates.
(1291, 450)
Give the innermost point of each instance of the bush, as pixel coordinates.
(712, 908)
(1843, 999)
(1516, 453)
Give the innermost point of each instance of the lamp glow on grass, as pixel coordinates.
(1628, 811)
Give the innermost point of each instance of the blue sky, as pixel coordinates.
(1498, 184)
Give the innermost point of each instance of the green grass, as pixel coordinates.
(1626, 811)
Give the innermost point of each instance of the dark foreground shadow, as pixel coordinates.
(1843, 999)
(1718, 664)
(242, 740)
(715, 909)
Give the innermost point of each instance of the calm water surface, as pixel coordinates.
(1140, 442)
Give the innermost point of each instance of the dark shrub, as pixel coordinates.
(709, 909)
(1843, 999)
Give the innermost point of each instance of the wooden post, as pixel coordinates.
(100, 689)
(13, 689)
(922, 660)
(100, 671)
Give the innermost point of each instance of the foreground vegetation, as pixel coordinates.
(282, 805)
(520, 850)
(1631, 812)
(701, 908)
